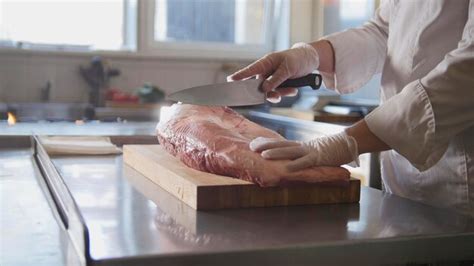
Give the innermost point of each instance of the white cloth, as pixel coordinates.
(425, 52)
(79, 145)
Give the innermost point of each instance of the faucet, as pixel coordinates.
(98, 75)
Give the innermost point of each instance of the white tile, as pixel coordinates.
(24, 75)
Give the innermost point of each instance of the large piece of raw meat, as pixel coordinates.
(216, 140)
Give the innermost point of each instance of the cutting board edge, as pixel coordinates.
(179, 192)
(224, 195)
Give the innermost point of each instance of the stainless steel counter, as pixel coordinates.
(29, 233)
(131, 221)
(68, 128)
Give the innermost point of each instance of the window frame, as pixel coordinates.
(148, 45)
(138, 38)
(129, 37)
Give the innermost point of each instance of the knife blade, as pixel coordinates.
(237, 93)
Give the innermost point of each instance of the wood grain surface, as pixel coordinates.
(205, 191)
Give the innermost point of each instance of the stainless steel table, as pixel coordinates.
(130, 221)
(87, 128)
(29, 233)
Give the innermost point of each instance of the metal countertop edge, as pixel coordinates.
(418, 249)
(57, 188)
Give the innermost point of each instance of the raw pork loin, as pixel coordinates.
(216, 140)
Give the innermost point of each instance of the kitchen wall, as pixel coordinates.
(23, 73)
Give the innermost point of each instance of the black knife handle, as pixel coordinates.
(312, 80)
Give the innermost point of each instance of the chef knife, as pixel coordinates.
(238, 93)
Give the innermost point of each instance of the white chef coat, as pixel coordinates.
(425, 52)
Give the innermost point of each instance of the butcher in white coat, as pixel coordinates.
(425, 123)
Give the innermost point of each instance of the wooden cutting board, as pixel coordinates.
(205, 191)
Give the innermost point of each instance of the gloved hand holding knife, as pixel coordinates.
(332, 150)
(275, 68)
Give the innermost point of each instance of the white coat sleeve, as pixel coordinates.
(420, 121)
(359, 53)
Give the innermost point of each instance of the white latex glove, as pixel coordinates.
(332, 150)
(277, 67)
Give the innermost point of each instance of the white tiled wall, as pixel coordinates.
(23, 74)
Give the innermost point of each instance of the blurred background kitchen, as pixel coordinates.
(82, 67)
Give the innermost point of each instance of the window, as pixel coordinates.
(343, 14)
(65, 24)
(240, 27)
(228, 21)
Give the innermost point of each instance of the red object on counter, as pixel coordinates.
(117, 95)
